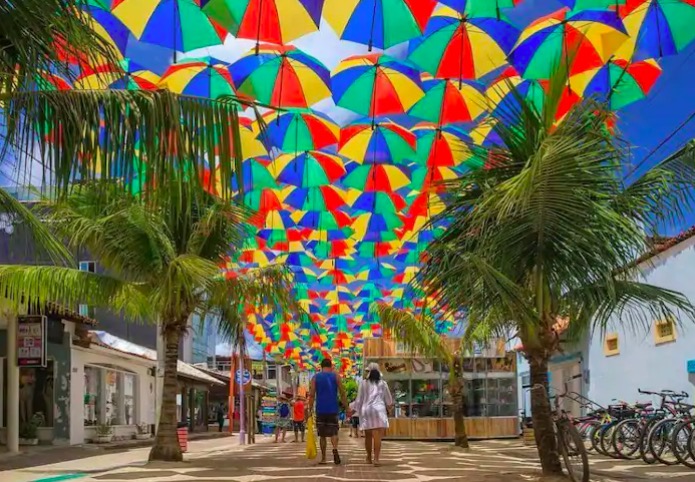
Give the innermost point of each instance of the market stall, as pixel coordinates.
(423, 405)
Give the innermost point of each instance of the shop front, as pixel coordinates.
(423, 403)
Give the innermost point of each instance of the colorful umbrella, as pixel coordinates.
(618, 82)
(581, 40)
(657, 28)
(322, 198)
(593, 4)
(282, 77)
(485, 8)
(200, 77)
(378, 23)
(376, 85)
(377, 177)
(176, 24)
(105, 23)
(273, 21)
(300, 130)
(386, 203)
(308, 169)
(255, 175)
(506, 90)
(456, 46)
(49, 81)
(441, 146)
(127, 75)
(382, 143)
(446, 101)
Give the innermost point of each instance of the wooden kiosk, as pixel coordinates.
(423, 406)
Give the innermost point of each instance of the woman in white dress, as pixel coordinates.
(372, 404)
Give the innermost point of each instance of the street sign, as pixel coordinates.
(31, 341)
(246, 377)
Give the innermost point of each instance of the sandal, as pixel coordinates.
(336, 457)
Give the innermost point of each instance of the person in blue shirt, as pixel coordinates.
(326, 386)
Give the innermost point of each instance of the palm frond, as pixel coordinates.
(40, 236)
(140, 138)
(35, 286)
(415, 332)
(663, 194)
(621, 302)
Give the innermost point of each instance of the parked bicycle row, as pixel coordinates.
(657, 430)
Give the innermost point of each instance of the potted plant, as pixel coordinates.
(104, 433)
(143, 431)
(28, 433)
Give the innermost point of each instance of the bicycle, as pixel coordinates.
(569, 441)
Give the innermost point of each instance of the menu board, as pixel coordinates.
(31, 341)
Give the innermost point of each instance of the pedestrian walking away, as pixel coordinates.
(283, 420)
(373, 402)
(259, 420)
(326, 386)
(354, 422)
(298, 416)
(221, 414)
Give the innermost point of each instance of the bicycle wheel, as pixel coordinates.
(627, 437)
(645, 453)
(659, 441)
(607, 441)
(573, 451)
(691, 445)
(680, 440)
(596, 435)
(587, 432)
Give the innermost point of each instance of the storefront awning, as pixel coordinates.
(124, 346)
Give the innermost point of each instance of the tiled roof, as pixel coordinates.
(661, 244)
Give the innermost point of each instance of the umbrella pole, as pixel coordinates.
(374, 94)
(371, 31)
(258, 28)
(463, 43)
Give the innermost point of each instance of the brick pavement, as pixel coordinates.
(488, 461)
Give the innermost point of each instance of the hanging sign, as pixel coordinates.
(31, 341)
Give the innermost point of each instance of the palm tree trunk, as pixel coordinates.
(166, 444)
(543, 427)
(457, 398)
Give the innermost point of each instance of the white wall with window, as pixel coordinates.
(108, 387)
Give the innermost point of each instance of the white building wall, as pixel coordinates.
(145, 389)
(641, 363)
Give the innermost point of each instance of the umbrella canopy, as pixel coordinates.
(456, 46)
(102, 20)
(201, 77)
(592, 4)
(382, 143)
(322, 198)
(376, 85)
(282, 77)
(128, 76)
(378, 23)
(273, 21)
(480, 7)
(441, 146)
(308, 169)
(618, 82)
(446, 101)
(657, 28)
(255, 175)
(299, 130)
(581, 40)
(176, 24)
(377, 177)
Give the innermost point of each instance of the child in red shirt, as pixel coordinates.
(298, 419)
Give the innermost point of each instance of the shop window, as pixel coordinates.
(110, 396)
(611, 346)
(36, 396)
(272, 372)
(400, 390)
(664, 331)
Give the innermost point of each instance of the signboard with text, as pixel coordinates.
(31, 341)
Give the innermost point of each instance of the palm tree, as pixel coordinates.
(419, 334)
(550, 229)
(110, 134)
(161, 265)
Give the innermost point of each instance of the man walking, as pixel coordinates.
(325, 388)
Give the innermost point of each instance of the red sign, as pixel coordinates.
(31, 341)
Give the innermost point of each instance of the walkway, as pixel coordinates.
(224, 460)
